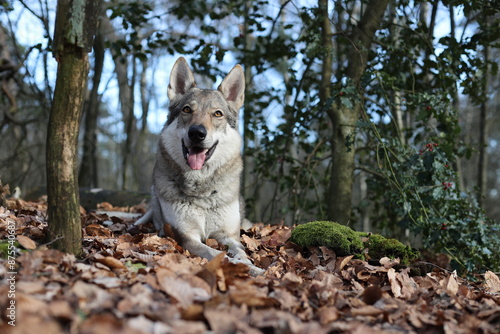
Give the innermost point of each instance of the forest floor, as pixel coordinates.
(137, 282)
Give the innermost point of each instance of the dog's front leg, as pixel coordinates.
(188, 226)
(225, 224)
(195, 245)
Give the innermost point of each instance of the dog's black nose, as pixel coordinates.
(197, 133)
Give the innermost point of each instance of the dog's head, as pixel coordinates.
(202, 119)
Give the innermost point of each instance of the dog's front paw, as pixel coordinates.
(254, 270)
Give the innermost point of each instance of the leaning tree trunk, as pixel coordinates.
(76, 22)
(344, 117)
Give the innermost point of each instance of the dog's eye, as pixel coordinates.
(187, 110)
(218, 113)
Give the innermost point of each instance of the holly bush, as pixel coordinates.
(420, 192)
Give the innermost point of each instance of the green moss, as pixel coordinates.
(379, 247)
(345, 241)
(4, 248)
(342, 239)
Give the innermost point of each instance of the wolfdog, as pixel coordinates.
(196, 178)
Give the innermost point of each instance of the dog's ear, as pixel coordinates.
(233, 87)
(181, 79)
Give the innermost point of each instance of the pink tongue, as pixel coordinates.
(196, 160)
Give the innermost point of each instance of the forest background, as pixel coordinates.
(381, 115)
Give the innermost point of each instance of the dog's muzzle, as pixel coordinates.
(197, 133)
(197, 156)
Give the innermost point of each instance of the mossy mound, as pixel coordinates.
(345, 241)
(379, 246)
(342, 239)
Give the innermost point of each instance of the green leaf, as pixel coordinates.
(135, 267)
(346, 102)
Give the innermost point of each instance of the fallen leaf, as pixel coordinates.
(250, 243)
(343, 261)
(91, 297)
(388, 263)
(452, 286)
(102, 323)
(268, 229)
(279, 237)
(367, 310)
(229, 320)
(26, 242)
(492, 282)
(291, 280)
(31, 288)
(95, 230)
(250, 299)
(145, 325)
(215, 263)
(108, 282)
(111, 262)
(286, 299)
(143, 257)
(395, 287)
(212, 243)
(327, 314)
(61, 309)
(408, 285)
(193, 312)
(182, 291)
(327, 252)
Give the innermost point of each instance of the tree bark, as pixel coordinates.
(248, 189)
(326, 39)
(482, 167)
(343, 118)
(142, 180)
(482, 175)
(88, 167)
(76, 21)
(130, 124)
(125, 95)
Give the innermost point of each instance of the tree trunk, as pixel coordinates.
(482, 167)
(130, 126)
(456, 101)
(248, 189)
(75, 27)
(125, 95)
(326, 39)
(88, 166)
(145, 98)
(399, 115)
(142, 179)
(344, 118)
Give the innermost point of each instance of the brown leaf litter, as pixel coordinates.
(138, 282)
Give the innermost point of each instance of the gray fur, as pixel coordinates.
(198, 194)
